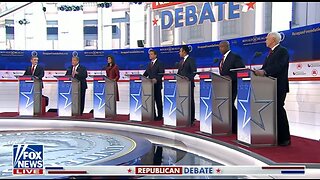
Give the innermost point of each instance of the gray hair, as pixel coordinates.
(276, 35)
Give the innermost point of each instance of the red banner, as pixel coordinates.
(157, 5)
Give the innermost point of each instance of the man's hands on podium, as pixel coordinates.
(185, 77)
(259, 72)
(154, 80)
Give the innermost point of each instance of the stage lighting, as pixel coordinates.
(104, 5)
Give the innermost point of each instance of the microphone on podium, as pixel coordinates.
(215, 60)
(257, 54)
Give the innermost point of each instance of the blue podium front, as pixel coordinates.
(206, 102)
(257, 114)
(99, 97)
(169, 103)
(135, 97)
(64, 96)
(26, 96)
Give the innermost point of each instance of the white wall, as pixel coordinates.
(137, 26)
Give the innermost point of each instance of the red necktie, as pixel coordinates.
(221, 63)
(74, 71)
(182, 62)
(270, 52)
(32, 69)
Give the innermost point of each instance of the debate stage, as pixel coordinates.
(179, 146)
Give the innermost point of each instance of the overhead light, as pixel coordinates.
(70, 8)
(105, 5)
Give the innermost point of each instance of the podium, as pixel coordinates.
(104, 97)
(30, 96)
(68, 96)
(141, 98)
(257, 109)
(177, 101)
(215, 103)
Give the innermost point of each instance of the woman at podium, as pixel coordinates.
(112, 71)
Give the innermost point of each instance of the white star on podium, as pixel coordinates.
(138, 105)
(172, 108)
(27, 95)
(101, 105)
(204, 99)
(66, 104)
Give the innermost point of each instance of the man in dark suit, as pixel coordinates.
(79, 72)
(153, 72)
(276, 65)
(35, 70)
(187, 68)
(229, 61)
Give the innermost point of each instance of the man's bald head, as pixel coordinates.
(224, 47)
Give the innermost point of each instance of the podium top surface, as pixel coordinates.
(27, 78)
(241, 69)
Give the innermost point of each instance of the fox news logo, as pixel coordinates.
(27, 159)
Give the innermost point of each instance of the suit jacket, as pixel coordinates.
(153, 72)
(113, 72)
(276, 65)
(188, 69)
(38, 72)
(232, 61)
(81, 76)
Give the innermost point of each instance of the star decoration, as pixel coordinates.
(129, 170)
(218, 171)
(259, 121)
(137, 98)
(28, 95)
(223, 100)
(204, 100)
(172, 102)
(250, 5)
(180, 107)
(101, 97)
(108, 103)
(68, 98)
(155, 21)
(245, 105)
(144, 103)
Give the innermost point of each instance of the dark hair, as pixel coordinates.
(76, 57)
(185, 48)
(34, 57)
(112, 60)
(154, 52)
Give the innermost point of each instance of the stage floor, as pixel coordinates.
(173, 146)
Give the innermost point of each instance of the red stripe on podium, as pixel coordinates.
(134, 77)
(98, 78)
(25, 78)
(168, 77)
(64, 79)
(204, 76)
(242, 74)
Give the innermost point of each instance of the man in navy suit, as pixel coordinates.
(276, 65)
(35, 70)
(153, 71)
(79, 72)
(229, 61)
(187, 68)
